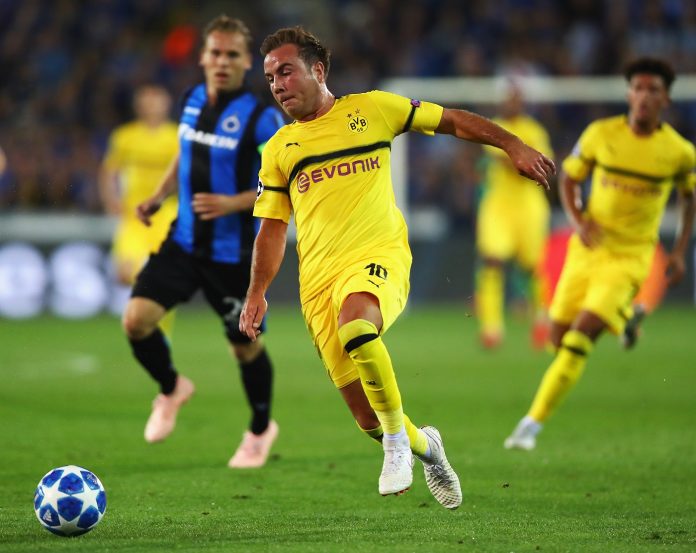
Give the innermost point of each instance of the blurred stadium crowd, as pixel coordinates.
(68, 71)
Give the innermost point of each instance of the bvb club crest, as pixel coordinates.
(356, 122)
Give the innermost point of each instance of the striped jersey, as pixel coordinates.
(632, 177)
(219, 152)
(333, 175)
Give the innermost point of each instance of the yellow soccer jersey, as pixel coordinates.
(632, 177)
(502, 179)
(142, 154)
(334, 174)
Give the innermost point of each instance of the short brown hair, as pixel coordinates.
(651, 66)
(226, 24)
(310, 49)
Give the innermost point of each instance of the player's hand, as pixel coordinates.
(252, 314)
(147, 209)
(532, 164)
(211, 206)
(676, 268)
(590, 233)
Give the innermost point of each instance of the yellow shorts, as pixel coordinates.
(134, 242)
(600, 281)
(321, 312)
(518, 232)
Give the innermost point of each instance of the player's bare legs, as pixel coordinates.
(363, 413)
(140, 318)
(557, 332)
(150, 348)
(359, 323)
(442, 481)
(375, 402)
(573, 346)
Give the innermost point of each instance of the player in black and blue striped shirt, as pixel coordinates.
(222, 129)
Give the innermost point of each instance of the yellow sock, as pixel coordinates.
(374, 433)
(166, 324)
(537, 293)
(364, 346)
(562, 374)
(489, 299)
(416, 437)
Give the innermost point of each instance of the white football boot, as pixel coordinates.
(397, 470)
(442, 481)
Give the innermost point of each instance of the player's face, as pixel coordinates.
(225, 59)
(152, 104)
(647, 97)
(295, 86)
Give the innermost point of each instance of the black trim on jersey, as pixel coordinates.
(409, 121)
(576, 351)
(359, 341)
(641, 176)
(247, 155)
(204, 231)
(200, 177)
(336, 154)
(181, 104)
(281, 189)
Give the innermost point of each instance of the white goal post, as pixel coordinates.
(457, 91)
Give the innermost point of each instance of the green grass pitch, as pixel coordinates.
(614, 470)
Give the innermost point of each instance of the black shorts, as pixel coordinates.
(171, 276)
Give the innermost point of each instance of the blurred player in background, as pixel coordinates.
(3, 162)
(222, 129)
(331, 168)
(138, 155)
(512, 225)
(635, 161)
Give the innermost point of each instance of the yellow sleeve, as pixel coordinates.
(403, 114)
(273, 196)
(686, 178)
(582, 159)
(115, 151)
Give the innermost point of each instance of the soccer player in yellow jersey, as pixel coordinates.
(331, 169)
(635, 161)
(512, 224)
(138, 155)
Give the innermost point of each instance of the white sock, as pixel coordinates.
(530, 425)
(395, 437)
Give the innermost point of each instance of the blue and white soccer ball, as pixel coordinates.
(69, 501)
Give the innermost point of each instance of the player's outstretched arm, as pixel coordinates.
(211, 206)
(469, 126)
(269, 249)
(167, 186)
(676, 267)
